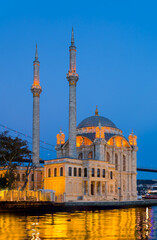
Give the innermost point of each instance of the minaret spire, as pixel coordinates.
(36, 53)
(72, 37)
(36, 90)
(72, 78)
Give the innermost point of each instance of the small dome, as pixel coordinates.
(93, 121)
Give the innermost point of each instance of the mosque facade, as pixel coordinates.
(96, 163)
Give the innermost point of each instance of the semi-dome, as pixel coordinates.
(93, 121)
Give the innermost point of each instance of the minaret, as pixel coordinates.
(72, 78)
(36, 90)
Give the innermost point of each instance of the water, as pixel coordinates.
(133, 223)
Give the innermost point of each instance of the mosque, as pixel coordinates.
(96, 163)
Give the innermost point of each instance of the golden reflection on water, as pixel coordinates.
(133, 223)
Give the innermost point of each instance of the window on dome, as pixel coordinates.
(90, 155)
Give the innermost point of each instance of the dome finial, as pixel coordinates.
(96, 111)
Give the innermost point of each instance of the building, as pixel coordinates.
(97, 162)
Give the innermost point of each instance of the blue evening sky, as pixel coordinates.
(116, 62)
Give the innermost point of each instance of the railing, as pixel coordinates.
(14, 195)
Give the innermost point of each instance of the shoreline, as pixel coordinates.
(27, 206)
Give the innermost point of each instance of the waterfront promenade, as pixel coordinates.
(48, 206)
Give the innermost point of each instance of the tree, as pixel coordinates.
(13, 152)
(28, 170)
(3, 183)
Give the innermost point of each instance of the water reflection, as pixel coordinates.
(133, 223)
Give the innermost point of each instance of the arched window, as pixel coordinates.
(107, 157)
(70, 171)
(103, 173)
(55, 172)
(18, 177)
(32, 177)
(90, 155)
(93, 172)
(85, 172)
(98, 172)
(80, 156)
(80, 172)
(124, 163)
(111, 175)
(23, 177)
(116, 161)
(61, 171)
(49, 172)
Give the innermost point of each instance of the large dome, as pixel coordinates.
(93, 121)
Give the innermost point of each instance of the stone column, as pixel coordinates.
(100, 149)
(89, 188)
(95, 188)
(106, 190)
(100, 188)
